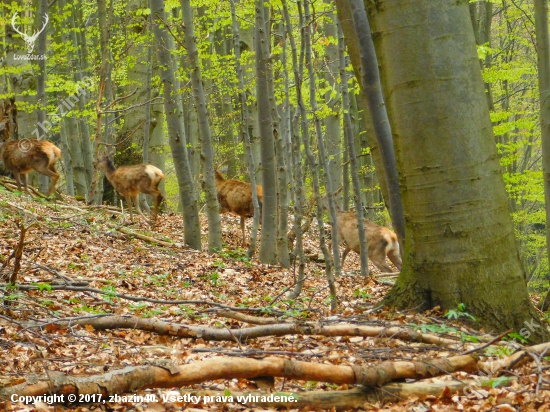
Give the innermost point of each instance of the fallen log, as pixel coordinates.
(165, 374)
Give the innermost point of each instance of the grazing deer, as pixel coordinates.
(130, 181)
(22, 156)
(381, 241)
(236, 197)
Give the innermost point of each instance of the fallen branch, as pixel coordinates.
(353, 398)
(242, 317)
(242, 334)
(18, 252)
(169, 375)
(78, 288)
(145, 238)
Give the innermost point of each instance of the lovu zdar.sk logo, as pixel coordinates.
(29, 40)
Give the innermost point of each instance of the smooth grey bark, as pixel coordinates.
(22, 80)
(67, 161)
(296, 183)
(245, 131)
(41, 98)
(207, 152)
(320, 141)
(372, 88)
(176, 133)
(333, 137)
(283, 256)
(80, 67)
(460, 237)
(306, 48)
(73, 135)
(268, 250)
(348, 133)
(543, 54)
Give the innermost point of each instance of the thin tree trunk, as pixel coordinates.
(207, 153)
(296, 156)
(372, 88)
(176, 133)
(268, 251)
(245, 131)
(320, 141)
(41, 99)
(306, 48)
(352, 155)
(333, 137)
(80, 68)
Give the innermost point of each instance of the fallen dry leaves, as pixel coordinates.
(72, 242)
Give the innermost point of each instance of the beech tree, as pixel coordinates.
(460, 244)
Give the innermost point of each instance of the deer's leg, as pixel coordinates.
(48, 170)
(344, 255)
(158, 201)
(395, 259)
(378, 258)
(24, 176)
(129, 203)
(17, 177)
(136, 201)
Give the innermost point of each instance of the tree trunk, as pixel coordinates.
(372, 89)
(306, 48)
(296, 157)
(460, 239)
(245, 131)
(268, 251)
(176, 133)
(352, 155)
(207, 153)
(333, 103)
(543, 54)
(320, 141)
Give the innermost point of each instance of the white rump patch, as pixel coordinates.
(154, 173)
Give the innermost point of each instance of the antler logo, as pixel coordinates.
(29, 40)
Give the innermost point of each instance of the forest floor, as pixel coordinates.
(117, 274)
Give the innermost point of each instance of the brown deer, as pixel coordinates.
(381, 241)
(130, 181)
(22, 156)
(235, 197)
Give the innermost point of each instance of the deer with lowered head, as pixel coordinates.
(22, 156)
(381, 241)
(130, 181)
(235, 197)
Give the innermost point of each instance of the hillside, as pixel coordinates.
(92, 299)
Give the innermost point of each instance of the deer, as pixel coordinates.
(132, 180)
(235, 197)
(381, 241)
(22, 156)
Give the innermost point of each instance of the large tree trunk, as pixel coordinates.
(176, 132)
(207, 153)
(460, 239)
(543, 52)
